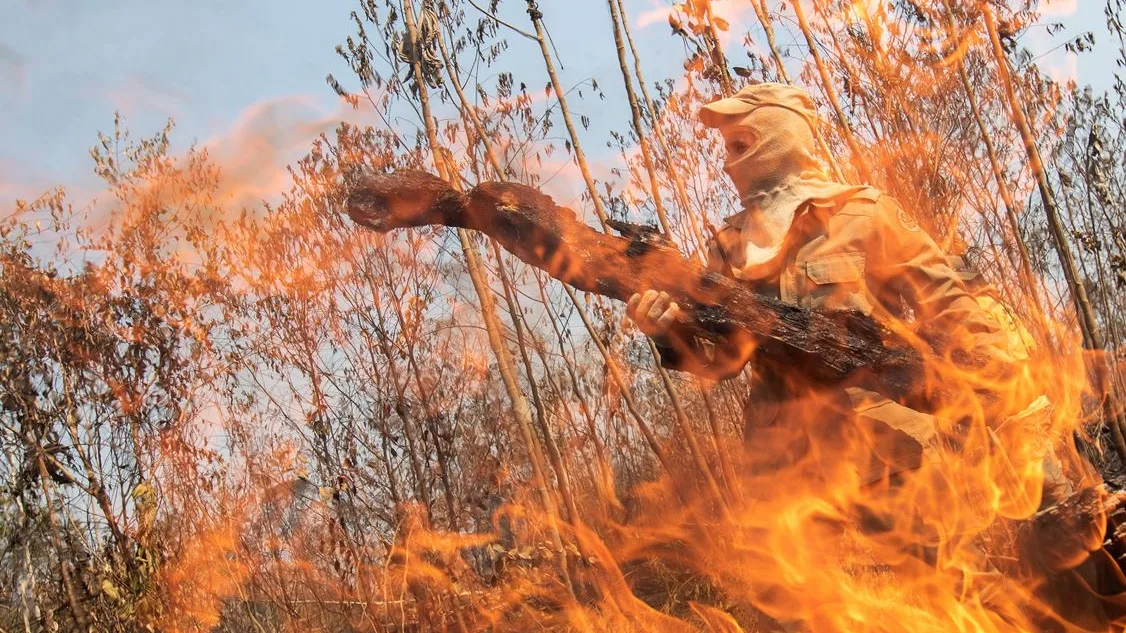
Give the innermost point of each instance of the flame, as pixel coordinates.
(824, 524)
(821, 529)
(809, 543)
(206, 572)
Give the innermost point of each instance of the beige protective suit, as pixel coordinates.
(811, 242)
(815, 243)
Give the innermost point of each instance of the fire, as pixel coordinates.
(993, 522)
(813, 546)
(206, 572)
(820, 527)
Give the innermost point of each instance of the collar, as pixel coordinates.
(824, 206)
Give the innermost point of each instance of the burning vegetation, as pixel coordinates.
(221, 417)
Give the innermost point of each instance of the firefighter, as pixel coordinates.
(812, 242)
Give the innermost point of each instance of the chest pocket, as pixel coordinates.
(836, 282)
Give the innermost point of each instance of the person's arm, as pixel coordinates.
(680, 348)
(905, 263)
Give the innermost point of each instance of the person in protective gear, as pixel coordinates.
(812, 242)
(815, 243)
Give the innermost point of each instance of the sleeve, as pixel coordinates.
(906, 261)
(717, 358)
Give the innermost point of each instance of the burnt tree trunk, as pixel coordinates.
(829, 347)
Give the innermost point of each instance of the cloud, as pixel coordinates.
(1057, 8)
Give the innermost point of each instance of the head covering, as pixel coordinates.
(767, 148)
(776, 173)
(752, 97)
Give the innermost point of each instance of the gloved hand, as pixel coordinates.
(653, 312)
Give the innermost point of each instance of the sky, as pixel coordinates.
(234, 72)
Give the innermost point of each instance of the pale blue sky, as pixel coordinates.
(224, 66)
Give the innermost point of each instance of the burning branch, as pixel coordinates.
(831, 347)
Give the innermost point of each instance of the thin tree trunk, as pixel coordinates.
(635, 114)
(520, 408)
(560, 94)
(686, 430)
(820, 11)
(1028, 277)
(588, 416)
(627, 395)
(725, 465)
(392, 478)
(670, 160)
(562, 478)
(580, 157)
(52, 518)
(430, 412)
(687, 210)
(553, 451)
(1085, 313)
(1031, 284)
(719, 60)
(764, 19)
(94, 483)
(409, 431)
(831, 94)
(674, 398)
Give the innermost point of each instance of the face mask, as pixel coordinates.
(771, 161)
(766, 149)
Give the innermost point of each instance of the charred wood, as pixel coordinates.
(830, 347)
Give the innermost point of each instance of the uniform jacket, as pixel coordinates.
(863, 253)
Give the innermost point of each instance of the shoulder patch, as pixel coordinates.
(906, 219)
